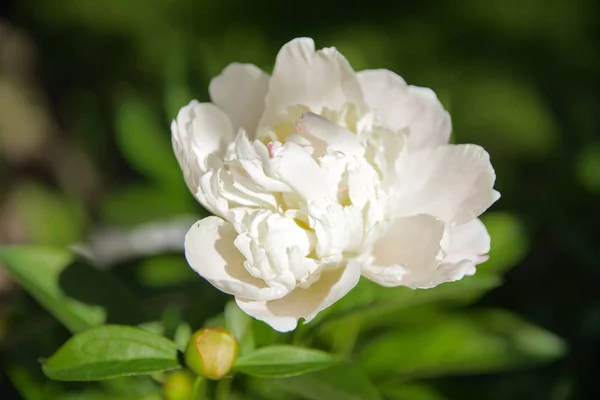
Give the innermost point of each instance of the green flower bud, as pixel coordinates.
(178, 385)
(211, 352)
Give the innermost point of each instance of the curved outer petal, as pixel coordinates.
(210, 251)
(209, 193)
(469, 241)
(453, 183)
(400, 106)
(312, 78)
(200, 130)
(240, 91)
(406, 254)
(466, 246)
(283, 314)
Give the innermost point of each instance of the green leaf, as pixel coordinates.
(410, 391)
(155, 327)
(264, 335)
(240, 325)
(217, 321)
(588, 168)
(38, 271)
(371, 304)
(182, 335)
(177, 90)
(509, 242)
(111, 351)
(124, 388)
(164, 270)
(48, 217)
(144, 140)
(29, 385)
(492, 340)
(136, 204)
(530, 131)
(341, 382)
(282, 361)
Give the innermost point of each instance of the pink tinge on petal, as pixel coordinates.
(270, 146)
(299, 127)
(274, 148)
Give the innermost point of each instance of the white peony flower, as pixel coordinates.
(318, 175)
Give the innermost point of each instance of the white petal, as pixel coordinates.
(209, 193)
(312, 78)
(210, 251)
(283, 314)
(451, 272)
(400, 106)
(338, 229)
(241, 191)
(187, 159)
(407, 252)
(199, 130)
(469, 241)
(254, 159)
(362, 184)
(336, 138)
(453, 183)
(240, 91)
(383, 148)
(296, 168)
(465, 246)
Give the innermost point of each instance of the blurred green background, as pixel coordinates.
(88, 89)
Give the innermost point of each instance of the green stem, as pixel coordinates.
(223, 389)
(346, 340)
(199, 389)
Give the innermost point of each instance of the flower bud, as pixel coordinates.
(178, 385)
(211, 352)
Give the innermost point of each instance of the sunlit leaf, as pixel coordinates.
(341, 382)
(240, 325)
(282, 361)
(164, 270)
(182, 335)
(264, 335)
(588, 168)
(371, 303)
(111, 351)
(48, 217)
(38, 270)
(492, 340)
(145, 140)
(136, 204)
(217, 321)
(509, 242)
(28, 385)
(530, 130)
(177, 92)
(410, 391)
